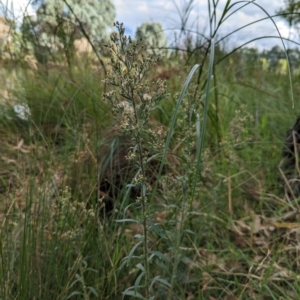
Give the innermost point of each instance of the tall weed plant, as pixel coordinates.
(129, 66)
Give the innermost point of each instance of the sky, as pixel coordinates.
(135, 12)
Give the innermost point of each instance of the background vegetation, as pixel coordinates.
(130, 169)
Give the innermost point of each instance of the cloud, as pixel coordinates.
(143, 7)
(134, 12)
(16, 9)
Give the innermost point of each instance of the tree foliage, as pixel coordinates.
(59, 23)
(291, 11)
(153, 36)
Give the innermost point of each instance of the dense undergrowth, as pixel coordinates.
(104, 199)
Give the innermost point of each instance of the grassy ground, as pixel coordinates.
(71, 229)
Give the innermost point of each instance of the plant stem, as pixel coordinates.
(144, 212)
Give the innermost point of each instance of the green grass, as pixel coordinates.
(49, 250)
(227, 234)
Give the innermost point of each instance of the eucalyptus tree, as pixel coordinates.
(59, 23)
(274, 56)
(154, 37)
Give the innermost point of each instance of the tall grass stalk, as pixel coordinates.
(173, 121)
(205, 114)
(200, 130)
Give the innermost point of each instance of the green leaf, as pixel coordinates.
(78, 278)
(157, 230)
(93, 291)
(189, 231)
(198, 133)
(74, 294)
(159, 255)
(160, 280)
(128, 258)
(140, 267)
(92, 270)
(134, 294)
(138, 281)
(139, 236)
(127, 220)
